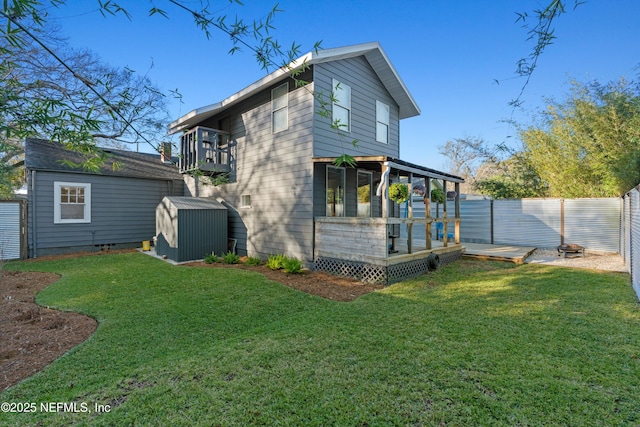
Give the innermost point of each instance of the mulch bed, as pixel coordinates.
(31, 336)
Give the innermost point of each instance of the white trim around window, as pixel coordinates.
(280, 108)
(245, 201)
(341, 112)
(71, 202)
(382, 122)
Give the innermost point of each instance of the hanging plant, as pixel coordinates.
(437, 195)
(399, 193)
(451, 195)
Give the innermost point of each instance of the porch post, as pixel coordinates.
(444, 214)
(427, 210)
(457, 225)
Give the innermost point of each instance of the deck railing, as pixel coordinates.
(205, 149)
(367, 239)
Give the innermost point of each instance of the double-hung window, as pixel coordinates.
(72, 202)
(280, 108)
(341, 95)
(382, 122)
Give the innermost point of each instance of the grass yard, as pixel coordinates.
(474, 343)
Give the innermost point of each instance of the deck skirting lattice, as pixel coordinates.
(381, 274)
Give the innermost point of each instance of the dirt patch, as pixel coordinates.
(318, 283)
(31, 336)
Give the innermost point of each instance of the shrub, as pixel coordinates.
(398, 192)
(292, 265)
(252, 260)
(211, 258)
(276, 262)
(230, 258)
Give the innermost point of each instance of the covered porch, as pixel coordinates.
(367, 244)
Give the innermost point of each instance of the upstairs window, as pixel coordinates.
(382, 122)
(341, 95)
(280, 108)
(72, 203)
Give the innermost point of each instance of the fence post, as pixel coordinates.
(562, 221)
(491, 219)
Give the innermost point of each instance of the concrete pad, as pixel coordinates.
(516, 254)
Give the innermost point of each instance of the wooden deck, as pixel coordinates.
(516, 254)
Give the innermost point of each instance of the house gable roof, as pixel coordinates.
(372, 52)
(48, 156)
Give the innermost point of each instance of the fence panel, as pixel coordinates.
(527, 222)
(476, 224)
(593, 223)
(635, 239)
(10, 230)
(625, 251)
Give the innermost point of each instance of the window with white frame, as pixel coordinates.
(72, 202)
(280, 108)
(341, 94)
(245, 201)
(382, 122)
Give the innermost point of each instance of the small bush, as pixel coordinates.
(276, 262)
(230, 258)
(292, 265)
(252, 260)
(211, 258)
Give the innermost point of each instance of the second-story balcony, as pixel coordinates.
(205, 149)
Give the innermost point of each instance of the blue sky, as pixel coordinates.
(448, 52)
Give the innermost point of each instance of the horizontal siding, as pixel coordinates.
(276, 170)
(122, 211)
(366, 88)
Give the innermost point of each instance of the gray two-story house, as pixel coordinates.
(271, 149)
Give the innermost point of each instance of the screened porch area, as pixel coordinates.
(357, 225)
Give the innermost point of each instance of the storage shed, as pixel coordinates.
(188, 228)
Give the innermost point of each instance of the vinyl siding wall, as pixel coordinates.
(122, 212)
(276, 171)
(366, 89)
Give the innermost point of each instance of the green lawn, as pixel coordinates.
(475, 343)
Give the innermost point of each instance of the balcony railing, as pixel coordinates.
(204, 149)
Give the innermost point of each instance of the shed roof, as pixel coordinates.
(44, 155)
(193, 203)
(372, 52)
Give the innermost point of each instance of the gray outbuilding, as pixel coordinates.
(189, 228)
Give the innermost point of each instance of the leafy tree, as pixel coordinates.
(51, 91)
(512, 178)
(589, 144)
(466, 155)
(541, 32)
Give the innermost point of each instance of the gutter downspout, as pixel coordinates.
(383, 180)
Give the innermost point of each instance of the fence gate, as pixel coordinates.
(13, 229)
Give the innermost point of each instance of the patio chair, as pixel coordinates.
(440, 231)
